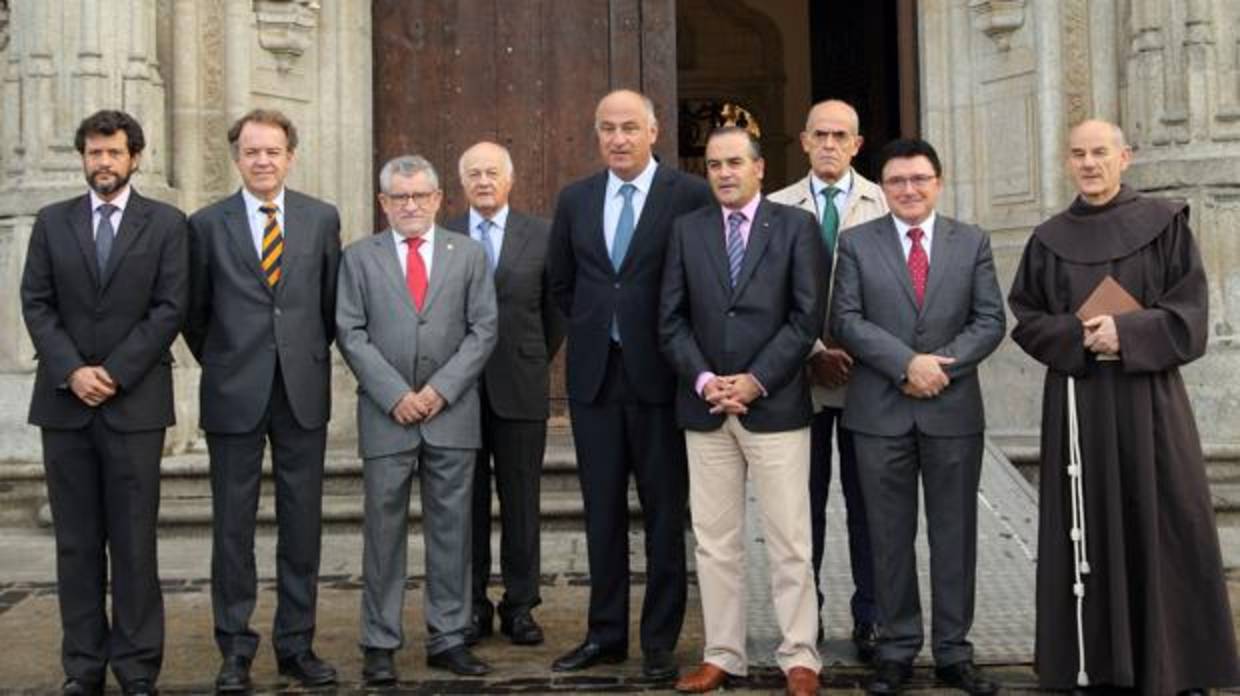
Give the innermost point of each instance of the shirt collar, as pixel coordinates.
(120, 201)
(500, 219)
(400, 238)
(748, 210)
(927, 225)
(253, 203)
(641, 181)
(844, 184)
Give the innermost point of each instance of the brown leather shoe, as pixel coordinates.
(802, 681)
(706, 677)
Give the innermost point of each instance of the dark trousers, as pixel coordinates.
(236, 473)
(512, 451)
(859, 555)
(103, 487)
(949, 469)
(616, 435)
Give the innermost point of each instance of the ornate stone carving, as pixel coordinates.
(286, 28)
(4, 24)
(1078, 104)
(998, 19)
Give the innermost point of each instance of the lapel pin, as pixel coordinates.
(449, 246)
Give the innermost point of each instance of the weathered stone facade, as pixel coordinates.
(1002, 81)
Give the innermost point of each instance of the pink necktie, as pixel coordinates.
(415, 272)
(918, 265)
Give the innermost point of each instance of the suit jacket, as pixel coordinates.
(765, 325)
(590, 292)
(875, 317)
(531, 329)
(124, 319)
(393, 348)
(239, 326)
(865, 202)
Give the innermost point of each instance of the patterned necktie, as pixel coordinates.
(918, 265)
(273, 244)
(830, 219)
(624, 227)
(736, 245)
(415, 272)
(104, 234)
(484, 236)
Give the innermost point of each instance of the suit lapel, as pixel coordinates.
(385, 252)
(133, 224)
(893, 252)
(595, 201)
(759, 237)
(242, 241)
(940, 255)
(652, 212)
(442, 267)
(511, 249)
(716, 248)
(80, 220)
(296, 243)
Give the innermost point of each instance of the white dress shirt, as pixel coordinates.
(844, 188)
(927, 227)
(258, 219)
(426, 251)
(120, 201)
(498, 223)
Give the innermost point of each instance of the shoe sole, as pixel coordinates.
(608, 660)
(307, 682)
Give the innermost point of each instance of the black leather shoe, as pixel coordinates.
(966, 677)
(234, 674)
(139, 687)
(460, 661)
(865, 639)
(659, 664)
(308, 669)
(481, 625)
(889, 678)
(377, 667)
(587, 655)
(80, 687)
(522, 629)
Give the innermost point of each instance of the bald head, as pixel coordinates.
(831, 139)
(626, 127)
(1097, 157)
(486, 177)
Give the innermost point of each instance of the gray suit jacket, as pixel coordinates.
(875, 317)
(393, 349)
(238, 326)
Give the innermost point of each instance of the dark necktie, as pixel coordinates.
(273, 244)
(830, 219)
(104, 235)
(415, 271)
(736, 245)
(918, 265)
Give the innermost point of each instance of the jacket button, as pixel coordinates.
(616, 286)
(277, 311)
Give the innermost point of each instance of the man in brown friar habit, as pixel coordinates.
(1130, 580)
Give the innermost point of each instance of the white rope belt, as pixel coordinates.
(1080, 563)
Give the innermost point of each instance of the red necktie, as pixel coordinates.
(415, 272)
(918, 265)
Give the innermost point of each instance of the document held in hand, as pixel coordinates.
(1108, 298)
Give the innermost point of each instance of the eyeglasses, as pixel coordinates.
(919, 181)
(419, 198)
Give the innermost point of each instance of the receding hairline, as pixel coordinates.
(853, 116)
(505, 156)
(1117, 133)
(646, 102)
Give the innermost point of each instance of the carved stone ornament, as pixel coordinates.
(4, 24)
(286, 28)
(998, 19)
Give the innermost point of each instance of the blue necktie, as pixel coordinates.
(736, 245)
(624, 227)
(484, 236)
(104, 234)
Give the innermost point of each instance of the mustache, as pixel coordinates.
(107, 188)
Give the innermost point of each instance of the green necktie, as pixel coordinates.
(830, 219)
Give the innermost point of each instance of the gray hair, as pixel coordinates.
(506, 158)
(406, 165)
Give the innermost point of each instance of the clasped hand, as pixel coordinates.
(1101, 336)
(92, 384)
(831, 367)
(417, 407)
(924, 377)
(731, 394)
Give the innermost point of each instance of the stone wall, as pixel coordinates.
(186, 69)
(1004, 80)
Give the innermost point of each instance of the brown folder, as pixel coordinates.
(1108, 298)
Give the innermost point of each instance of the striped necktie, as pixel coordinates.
(273, 244)
(736, 245)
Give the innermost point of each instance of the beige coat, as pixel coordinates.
(865, 203)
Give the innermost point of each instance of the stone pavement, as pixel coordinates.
(29, 624)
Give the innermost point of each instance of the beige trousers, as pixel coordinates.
(778, 464)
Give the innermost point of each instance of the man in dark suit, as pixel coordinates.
(514, 391)
(608, 240)
(743, 300)
(104, 293)
(916, 304)
(262, 315)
